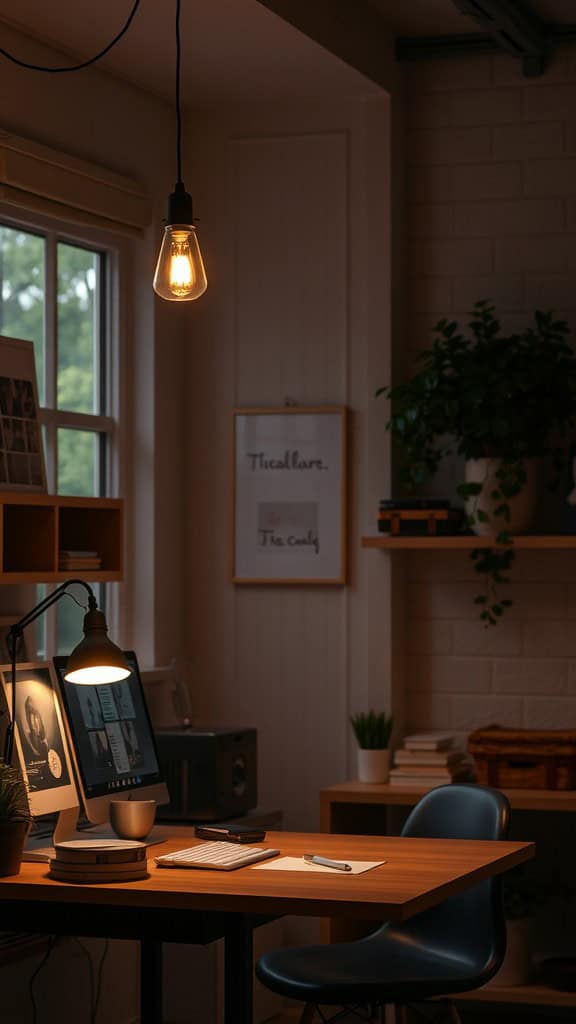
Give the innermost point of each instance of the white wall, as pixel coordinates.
(491, 215)
(295, 226)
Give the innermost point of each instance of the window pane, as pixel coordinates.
(78, 329)
(78, 462)
(22, 292)
(39, 629)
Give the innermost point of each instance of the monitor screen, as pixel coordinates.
(111, 732)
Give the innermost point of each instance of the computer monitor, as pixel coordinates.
(41, 744)
(112, 741)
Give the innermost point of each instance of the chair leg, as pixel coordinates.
(308, 1013)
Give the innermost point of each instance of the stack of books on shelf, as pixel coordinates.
(78, 561)
(430, 759)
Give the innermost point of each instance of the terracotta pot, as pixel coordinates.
(523, 506)
(12, 838)
(373, 765)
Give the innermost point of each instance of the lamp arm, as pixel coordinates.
(14, 634)
(18, 628)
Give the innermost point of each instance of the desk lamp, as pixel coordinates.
(93, 661)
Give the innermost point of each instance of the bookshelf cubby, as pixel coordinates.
(36, 528)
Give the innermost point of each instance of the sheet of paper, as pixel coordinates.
(299, 864)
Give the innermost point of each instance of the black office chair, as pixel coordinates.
(454, 947)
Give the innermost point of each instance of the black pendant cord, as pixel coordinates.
(83, 64)
(178, 111)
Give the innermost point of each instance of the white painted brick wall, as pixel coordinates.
(491, 214)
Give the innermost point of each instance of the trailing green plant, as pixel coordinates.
(481, 395)
(13, 800)
(372, 729)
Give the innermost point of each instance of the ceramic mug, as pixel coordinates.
(132, 819)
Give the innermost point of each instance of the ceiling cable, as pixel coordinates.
(84, 63)
(178, 110)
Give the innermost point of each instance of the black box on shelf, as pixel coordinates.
(211, 774)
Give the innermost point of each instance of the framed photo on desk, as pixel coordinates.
(290, 491)
(40, 738)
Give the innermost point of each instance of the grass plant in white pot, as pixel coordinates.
(503, 402)
(372, 730)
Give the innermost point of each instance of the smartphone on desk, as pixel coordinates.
(230, 833)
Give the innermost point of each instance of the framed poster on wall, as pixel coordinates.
(290, 495)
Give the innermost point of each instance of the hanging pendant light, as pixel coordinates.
(180, 274)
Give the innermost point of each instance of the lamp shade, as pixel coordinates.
(96, 660)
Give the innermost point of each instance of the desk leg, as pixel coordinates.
(150, 982)
(238, 971)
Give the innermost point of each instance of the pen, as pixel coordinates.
(339, 865)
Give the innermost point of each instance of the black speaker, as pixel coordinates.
(211, 774)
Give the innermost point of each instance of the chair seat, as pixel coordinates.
(384, 967)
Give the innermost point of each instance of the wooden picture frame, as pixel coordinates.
(22, 465)
(290, 495)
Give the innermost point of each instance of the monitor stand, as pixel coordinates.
(67, 829)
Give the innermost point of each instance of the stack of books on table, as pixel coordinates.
(77, 561)
(99, 860)
(427, 759)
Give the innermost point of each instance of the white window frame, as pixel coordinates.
(114, 249)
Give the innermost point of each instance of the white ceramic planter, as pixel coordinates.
(522, 507)
(517, 966)
(373, 765)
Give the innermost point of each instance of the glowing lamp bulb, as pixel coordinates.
(180, 274)
(96, 660)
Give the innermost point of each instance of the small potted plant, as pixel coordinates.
(15, 819)
(372, 730)
(503, 403)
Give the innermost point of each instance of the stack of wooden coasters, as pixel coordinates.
(99, 860)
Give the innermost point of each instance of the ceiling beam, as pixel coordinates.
(355, 32)
(413, 48)
(513, 28)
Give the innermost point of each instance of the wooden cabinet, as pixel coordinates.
(36, 528)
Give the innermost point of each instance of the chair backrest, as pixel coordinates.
(471, 926)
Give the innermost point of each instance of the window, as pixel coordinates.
(54, 292)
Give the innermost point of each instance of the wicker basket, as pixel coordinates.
(525, 758)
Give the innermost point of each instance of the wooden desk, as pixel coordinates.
(185, 905)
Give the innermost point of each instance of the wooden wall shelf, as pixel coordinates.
(346, 795)
(36, 528)
(385, 542)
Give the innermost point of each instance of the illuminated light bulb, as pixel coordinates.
(96, 659)
(180, 274)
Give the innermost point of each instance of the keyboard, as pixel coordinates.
(222, 856)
